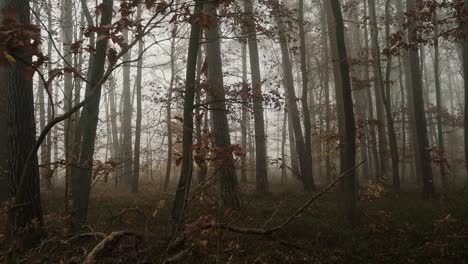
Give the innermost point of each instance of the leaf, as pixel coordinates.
(9, 58)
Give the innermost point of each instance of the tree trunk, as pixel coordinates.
(440, 132)
(379, 88)
(245, 110)
(168, 108)
(185, 178)
(345, 116)
(260, 137)
(304, 166)
(370, 103)
(81, 180)
(419, 119)
(136, 161)
(201, 121)
(305, 105)
(465, 74)
(387, 100)
(127, 161)
(224, 163)
(326, 84)
(21, 137)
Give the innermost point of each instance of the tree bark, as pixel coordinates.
(185, 178)
(465, 74)
(127, 161)
(224, 163)
(304, 166)
(387, 99)
(168, 108)
(136, 161)
(259, 127)
(346, 118)
(245, 110)
(379, 88)
(305, 104)
(81, 180)
(419, 118)
(21, 137)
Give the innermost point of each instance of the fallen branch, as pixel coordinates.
(267, 231)
(94, 235)
(108, 242)
(177, 256)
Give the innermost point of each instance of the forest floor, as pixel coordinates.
(391, 229)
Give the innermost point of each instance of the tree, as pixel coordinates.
(136, 162)
(379, 88)
(127, 118)
(465, 74)
(326, 86)
(169, 106)
(245, 110)
(81, 180)
(346, 124)
(259, 123)
(3, 143)
(224, 164)
(387, 99)
(185, 178)
(304, 166)
(17, 81)
(417, 101)
(440, 133)
(67, 41)
(304, 99)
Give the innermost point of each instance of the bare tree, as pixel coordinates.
(260, 138)
(222, 141)
(345, 115)
(81, 180)
(185, 178)
(419, 118)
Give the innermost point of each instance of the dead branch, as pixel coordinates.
(95, 235)
(108, 242)
(267, 231)
(177, 256)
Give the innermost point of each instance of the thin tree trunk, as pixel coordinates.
(305, 106)
(346, 122)
(185, 178)
(440, 133)
(422, 142)
(201, 120)
(465, 74)
(245, 114)
(379, 90)
(387, 99)
(127, 161)
(137, 150)
(81, 180)
(260, 136)
(403, 110)
(326, 84)
(283, 146)
(222, 142)
(370, 103)
(305, 167)
(168, 108)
